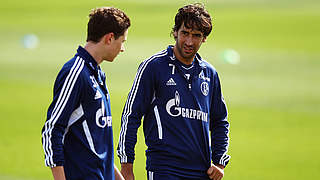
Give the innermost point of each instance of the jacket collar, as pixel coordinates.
(198, 58)
(89, 60)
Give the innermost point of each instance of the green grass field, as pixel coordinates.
(272, 94)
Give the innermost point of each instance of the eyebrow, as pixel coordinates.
(197, 34)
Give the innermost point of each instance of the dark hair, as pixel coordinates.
(194, 16)
(105, 20)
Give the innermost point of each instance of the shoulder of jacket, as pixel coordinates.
(156, 59)
(73, 67)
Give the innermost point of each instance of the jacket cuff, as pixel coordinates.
(126, 159)
(223, 160)
(59, 163)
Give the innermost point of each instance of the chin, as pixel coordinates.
(188, 55)
(109, 60)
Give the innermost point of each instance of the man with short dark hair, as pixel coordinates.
(77, 135)
(185, 117)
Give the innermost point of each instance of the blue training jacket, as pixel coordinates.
(78, 131)
(179, 114)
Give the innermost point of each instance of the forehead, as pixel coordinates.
(193, 29)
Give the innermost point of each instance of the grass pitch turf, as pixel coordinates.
(272, 94)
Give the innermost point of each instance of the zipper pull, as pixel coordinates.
(189, 86)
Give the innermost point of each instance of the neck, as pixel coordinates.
(93, 50)
(186, 61)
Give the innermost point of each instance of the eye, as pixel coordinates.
(197, 35)
(184, 33)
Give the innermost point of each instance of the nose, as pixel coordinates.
(122, 48)
(189, 41)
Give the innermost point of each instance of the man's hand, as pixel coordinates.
(216, 172)
(117, 174)
(127, 171)
(58, 173)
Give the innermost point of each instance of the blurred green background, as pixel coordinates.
(272, 93)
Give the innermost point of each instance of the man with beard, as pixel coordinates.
(185, 117)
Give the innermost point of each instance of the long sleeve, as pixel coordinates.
(66, 98)
(137, 104)
(219, 126)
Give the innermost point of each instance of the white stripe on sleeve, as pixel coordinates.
(59, 107)
(128, 106)
(156, 113)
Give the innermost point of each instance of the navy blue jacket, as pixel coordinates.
(78, 131)
(179, 114)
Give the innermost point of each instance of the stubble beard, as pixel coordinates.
(188, 57)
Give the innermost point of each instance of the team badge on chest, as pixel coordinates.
(204, 88)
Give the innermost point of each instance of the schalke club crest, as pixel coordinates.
(204, 88)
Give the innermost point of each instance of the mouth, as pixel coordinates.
(188, 50)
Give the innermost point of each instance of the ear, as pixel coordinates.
(175, 34)
(204, 39)
(107, 38)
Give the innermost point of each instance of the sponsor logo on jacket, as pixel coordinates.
(173, 108)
